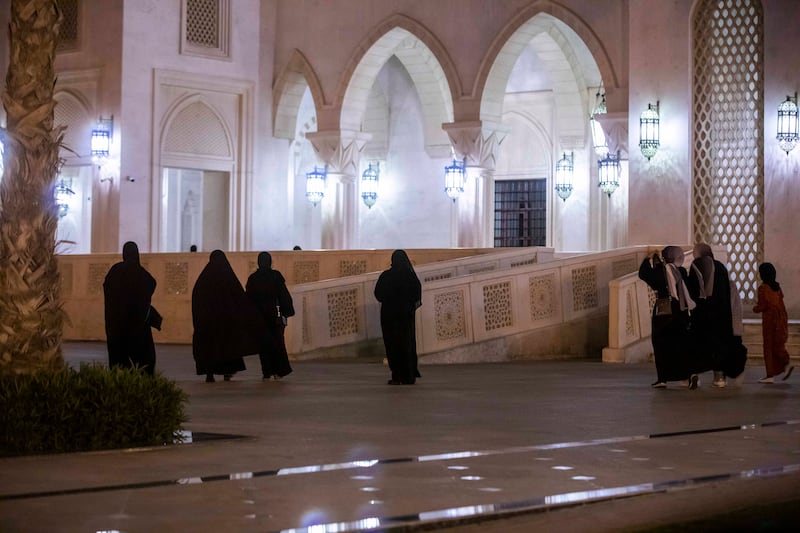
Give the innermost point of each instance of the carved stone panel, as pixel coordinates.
(352, 268)
(176, 277)
(96, 277)
(342, 316)
(630, 314)
(584, 288)
(306, 271)
(497, 306)
(450, 315)
(542, 290)
(623, 267)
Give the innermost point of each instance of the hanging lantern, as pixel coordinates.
(101, 137)
(608, 171)
(649, 131)
(600, 107)
(454, 177)
(369, 184)
(315, 185)
(788, 124)
(564, 170)
(62, 193)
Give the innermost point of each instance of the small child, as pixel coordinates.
(774, 325)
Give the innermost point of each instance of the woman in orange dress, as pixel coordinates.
(774, 324)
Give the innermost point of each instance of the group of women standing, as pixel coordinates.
(229, 321)
(697, 319)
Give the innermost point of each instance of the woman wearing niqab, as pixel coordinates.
(267, 289)
(127, 291)
(226, 324)
(672, 348)
(400, 294)
(714, 319)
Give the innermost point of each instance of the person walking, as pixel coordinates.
(227, 325)
(672, 348)
(267, 289)
(127, 291)
(774, 324)
(400, 294)
(713, 319)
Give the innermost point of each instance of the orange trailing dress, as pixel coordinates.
(774, 328)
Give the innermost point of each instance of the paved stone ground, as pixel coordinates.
(527, 446)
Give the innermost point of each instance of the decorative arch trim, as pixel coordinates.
(295, 77)
(205, 147)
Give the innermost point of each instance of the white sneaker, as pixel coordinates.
(694, 382)
(720, 383)
(766, 380)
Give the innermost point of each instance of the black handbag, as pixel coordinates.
(154, 318)
(663, 306)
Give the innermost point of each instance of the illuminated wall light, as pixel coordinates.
(369, 184)
(315, 185)
(564, 170)
(63, 190)
(608, 171)
(454, 177)
(102, 134)
(788, 124)
(598, 138)
(649, 135)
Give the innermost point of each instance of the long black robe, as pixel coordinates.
(226, 323)
(267, 289)
(127, 291)
(400, 293)
(712, 322)
(673, 349)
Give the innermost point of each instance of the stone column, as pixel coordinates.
(476, 143)
(340, 151)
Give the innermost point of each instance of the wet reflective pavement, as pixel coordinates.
(332, 448)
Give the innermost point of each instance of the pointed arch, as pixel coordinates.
(542, 16)
(422, 55)
(287, 93)
(193, 126)
(74, 111)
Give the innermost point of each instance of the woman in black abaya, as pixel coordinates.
(127, 291)
(672, 344)
(227, 325)
(400, 294)
(267, 289)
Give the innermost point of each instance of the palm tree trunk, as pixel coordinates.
(31, 314)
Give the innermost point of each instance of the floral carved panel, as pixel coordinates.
(450, 315)
(584, 288)
(542, 291)
(497, 306)
(342, 316)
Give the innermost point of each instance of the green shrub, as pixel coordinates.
(94, 408)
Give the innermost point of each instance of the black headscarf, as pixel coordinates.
(398, 289)
(768, 274)
(127, 290)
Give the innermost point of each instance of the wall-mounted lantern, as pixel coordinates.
(454, 177)
(63, 190)
(788, 124)
(564, 170)
(649, 134)
(102, 134)
(608, 171)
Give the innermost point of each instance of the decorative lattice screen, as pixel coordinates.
(202, 22)
(68, 31)
(728, 160)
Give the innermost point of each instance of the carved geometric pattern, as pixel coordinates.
(434, 277)
(497, 305)
(622, 267)
(728, 124)
(66, 278)
(352, 268)
(197, 130)
(306, 271)
(342, 316)
(69, 112)
(176, 277)
(481, 268)
(68, 30)
(532, 261)
(450, 315)
(202, 22)
(630, 327)
(584, 288)
(97, 275)
(542, 290)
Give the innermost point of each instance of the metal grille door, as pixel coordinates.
(520, 213)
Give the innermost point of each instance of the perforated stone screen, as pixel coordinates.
(728, 124)
(68, 31)
(202, 22)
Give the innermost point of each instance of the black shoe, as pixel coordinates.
(787, 372)
(210, 378)
(659, 384)
(394, 382)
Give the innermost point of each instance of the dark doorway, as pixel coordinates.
(520, 213)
